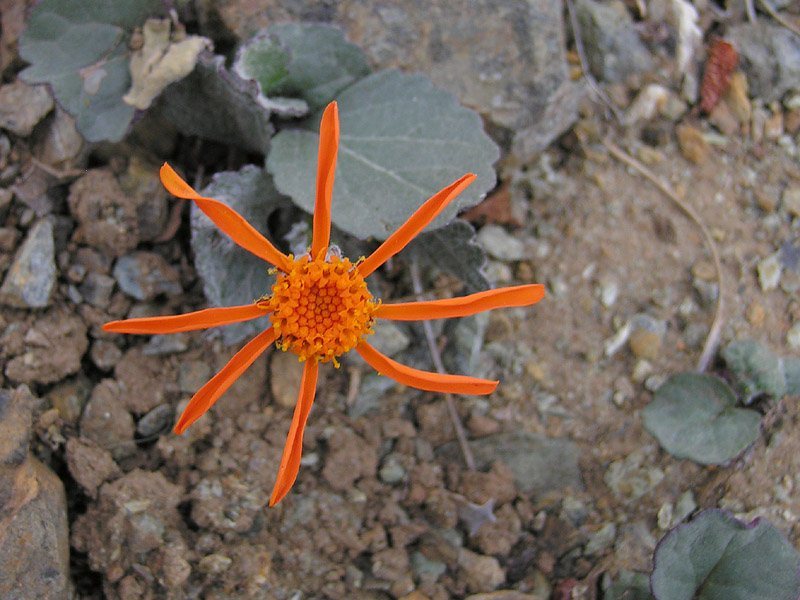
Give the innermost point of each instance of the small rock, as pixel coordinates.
(54, 348)
(426, 570)
(156, 421)
(707, 290)
(390, 564)
(16, 410)
(193, 374)
(30, 281)
(285, 374)
(159, 345)
(22, 106)
(613, 47)
(145, 275)
(737, 97)
(664, 517)
(90, 465)
(141, 381)
(96, 289)
(214, 564)
(106, 422)
(634, 546)
(609, 292)
(107, 220)
(349, 458)
(769, 272)
(790, 201)
(141, 185)
(684, 507)
(69, 398)
(390, 338)
(693, 145)
(722, 118)
(793, 337)
(105, 355)
(8, 239)
(392, 471)
(756, 313)
(538, 464)
(61, 144)
(500, 244)
(646, 336)
(482, 573)
(773, 126)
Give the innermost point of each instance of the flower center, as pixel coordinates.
(320, 308)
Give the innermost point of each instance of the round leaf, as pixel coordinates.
(693, 416)
(717, 557)
(402, 140)
(230, 274)
(757, 369)
(311, 61)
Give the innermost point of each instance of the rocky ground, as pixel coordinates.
(99, 499)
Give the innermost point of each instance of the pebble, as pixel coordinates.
(769, 55)
(284, 381)
(69, 398)
(769, 272)
(390, 338)
(790, 201)
(392, 470)
(793, 337)
(500, 244)
(22, 106)
(630, 479)
(31, 278)
(96, 289)
(156, 421)
(737, 97)
(105, 355)
(482, 573)
(192, 375)
(61, 144)
(106, 422)
(426, 570)
(707, 290)
(756, 313)
(145, 275)
(692, 144)
(160, 345)
(646, 336)
(641, 370)
(90, 465)
(609, 292)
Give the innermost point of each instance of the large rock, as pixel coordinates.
(770, 55)
(34, 541)
(30, 280)
(22, 106)
(504, 58)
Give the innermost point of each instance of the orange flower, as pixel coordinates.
(320, 306)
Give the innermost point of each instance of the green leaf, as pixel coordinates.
(453, 249)
(218, 105)
(311, 61)
(717, 557)
(791, 369)
(629, 586)
(230, 274)
(80, 48)
(402, 140)
(756, 368)
(693, 416)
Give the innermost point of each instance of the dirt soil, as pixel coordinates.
(379, 510)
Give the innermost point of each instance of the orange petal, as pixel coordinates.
(520, 295)
(201, 319)
(326, 169)
(292, 451)
(207, 395)
(423, 380)
(415, 223)
(228, 220)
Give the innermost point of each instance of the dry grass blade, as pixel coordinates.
(712, 339)
(778, 17)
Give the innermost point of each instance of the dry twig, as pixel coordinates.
(778, 17)
(712, 340)
(416, 283)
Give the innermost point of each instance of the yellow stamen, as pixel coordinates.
(321, 308)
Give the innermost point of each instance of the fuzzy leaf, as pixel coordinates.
(218, 105)
(717, 557)
(453, 249)
(694, 416)
(80, 49)
(402, 140)
(756, 368)
(230, 274)
(311, 61)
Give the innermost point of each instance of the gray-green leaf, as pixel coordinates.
(311, 61)
(453, 249)
(717, 557)
(231, 275)
(218, 105)
(756, 368)
(402, 140)
(693, 416)
(80, 49)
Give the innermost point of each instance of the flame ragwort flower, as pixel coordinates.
(320, 306)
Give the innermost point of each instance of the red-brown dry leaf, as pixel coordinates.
(495, 209)
(722, 60)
